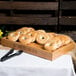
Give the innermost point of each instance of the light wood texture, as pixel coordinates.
(38, 50)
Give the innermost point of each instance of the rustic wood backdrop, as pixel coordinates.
(50, 15)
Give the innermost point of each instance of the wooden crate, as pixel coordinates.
(38, 50)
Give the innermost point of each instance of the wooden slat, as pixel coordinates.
(68, 20)
(33, 15)
(2, 14)
(35, 5)
(29, 5)
(28, 20)
(5, 5)
(68, 5)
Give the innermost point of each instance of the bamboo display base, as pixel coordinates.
(38, 50)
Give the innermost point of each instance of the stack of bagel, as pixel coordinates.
(49, 40)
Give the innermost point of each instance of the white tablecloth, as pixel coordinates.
(29, 65)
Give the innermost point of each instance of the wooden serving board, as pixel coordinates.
(38, 50)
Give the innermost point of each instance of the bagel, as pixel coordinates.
(65, 39)
(13, 36)
(57, 42)
(53, 44)
(41, 31)
(51, 34)
(25, 39)
(42, 37)
(24, 30)
(32, 34)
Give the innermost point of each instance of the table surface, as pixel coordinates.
(63, 65)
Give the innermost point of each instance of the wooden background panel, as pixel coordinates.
(2, 14)
(35, 5)
(68, 20)
(68, 5)
(5, 5)
(28, 20)
(29, 5)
